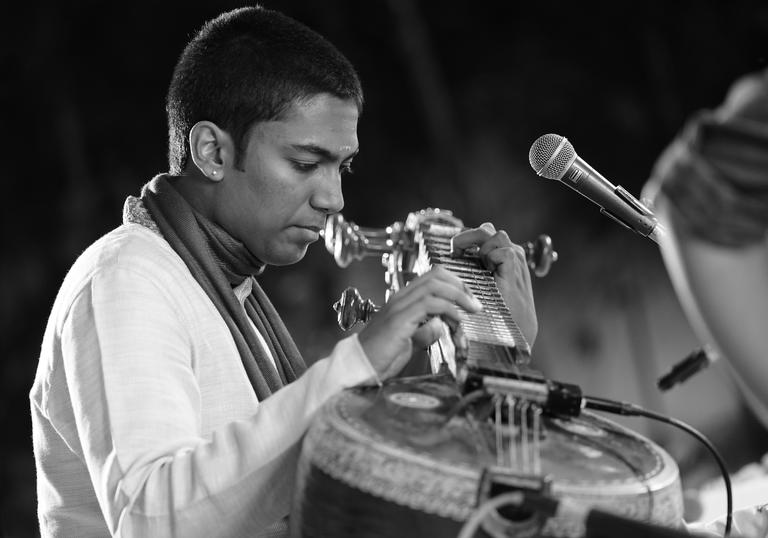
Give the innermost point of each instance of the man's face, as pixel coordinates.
(291, 179)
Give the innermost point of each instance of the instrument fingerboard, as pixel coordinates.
(495, 338)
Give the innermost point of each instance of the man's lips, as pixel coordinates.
(311, 229)
(314, 228)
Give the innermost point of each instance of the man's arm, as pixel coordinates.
(129, 361)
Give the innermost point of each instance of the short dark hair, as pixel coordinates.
(250, 65)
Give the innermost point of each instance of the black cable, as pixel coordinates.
(628, 409)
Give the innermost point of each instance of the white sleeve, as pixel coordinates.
(750, 522)
(129, 367)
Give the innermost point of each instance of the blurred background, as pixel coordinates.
(456, 92)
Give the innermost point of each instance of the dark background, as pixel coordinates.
(456, 92)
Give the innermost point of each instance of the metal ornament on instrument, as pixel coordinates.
(351, 309)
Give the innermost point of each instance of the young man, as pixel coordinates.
(170, 399)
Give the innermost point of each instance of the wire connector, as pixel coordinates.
(695, 362)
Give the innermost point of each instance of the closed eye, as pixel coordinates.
(346, 168)
(303, 166)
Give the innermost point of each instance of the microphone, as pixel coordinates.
(553, 157)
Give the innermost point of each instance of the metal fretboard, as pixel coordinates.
(496, 341)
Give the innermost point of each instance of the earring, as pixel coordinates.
(214, 172)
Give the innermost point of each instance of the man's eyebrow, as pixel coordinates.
(322, 152)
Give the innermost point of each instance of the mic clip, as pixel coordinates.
(638, 206)
(614, 218)
(644, 223)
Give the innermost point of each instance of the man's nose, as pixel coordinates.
(328, 196)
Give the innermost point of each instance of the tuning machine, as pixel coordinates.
(351, 309)
(540, 255)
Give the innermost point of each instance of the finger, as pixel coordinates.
(438, 306)
(500, 250)
(469, 238)
(499, 240)
(436, 273)
(452, 291)
(410, 321)
(428, 333)
(515, 272)
(507, 259)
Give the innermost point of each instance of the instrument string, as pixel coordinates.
(537, 439)
(499, 434)
(511, 419)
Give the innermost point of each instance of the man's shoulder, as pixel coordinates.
(129, 247)
(130, 244)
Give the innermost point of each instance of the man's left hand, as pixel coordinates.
(507, 262)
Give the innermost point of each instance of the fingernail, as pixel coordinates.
(476, 302)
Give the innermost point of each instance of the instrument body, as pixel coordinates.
(412, 458)
(393, 462)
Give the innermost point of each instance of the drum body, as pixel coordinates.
(395, 462)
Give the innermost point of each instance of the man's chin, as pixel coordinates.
(288, 257)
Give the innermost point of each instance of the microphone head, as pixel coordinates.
(551, 156)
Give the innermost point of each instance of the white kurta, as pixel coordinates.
(144, 421)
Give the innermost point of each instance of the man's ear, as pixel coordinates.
(210, 148)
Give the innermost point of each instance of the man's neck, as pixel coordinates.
(197, 190)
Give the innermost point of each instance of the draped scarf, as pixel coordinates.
(218, 262)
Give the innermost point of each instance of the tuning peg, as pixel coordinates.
(351, 309)
(540, 255)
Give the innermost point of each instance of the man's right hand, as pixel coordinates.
(411, 317)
